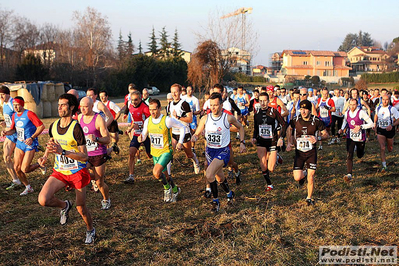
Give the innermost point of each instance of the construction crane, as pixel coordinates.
(242, 11)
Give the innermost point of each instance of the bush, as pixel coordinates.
(381, 78)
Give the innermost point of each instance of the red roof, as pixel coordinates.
(314, 53)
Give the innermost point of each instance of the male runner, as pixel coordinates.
(385, 120)
(325, 105)
(28, 127)
(337, 117)
(139, 112)
(113, 127)
(217, 135)
(302, 132)
(97, 138)
(68, 144)
(356, 121)
(158, 127)
(266, 137)
(10, 140)
(180, 110)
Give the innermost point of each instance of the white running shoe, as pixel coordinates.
(332, 141)
(105, 204)
(174, 195)
(167, 194)
(27, 191)
(90, 236)
(197, 168)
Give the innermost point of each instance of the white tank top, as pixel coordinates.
(179, 111)
(95, 109)
(217, 131)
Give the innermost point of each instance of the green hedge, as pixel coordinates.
(381, 78)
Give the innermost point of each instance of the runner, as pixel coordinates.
(337, 117)
(254, 105)
(113, 128)
(146, 96)
(68, 144)
(325, 105)
(10, 140)
(302, 132)
(266, 137)
(303, 95)
(242, 101)
(385, 120)
(284, 97)
(28, 127)
(217, 136)
(354, 94)
(180, 110)
(275, 102)
(290, 106)
(195, 107)
(355, 123)
(139, 112)
(158, 128)
(97, 138)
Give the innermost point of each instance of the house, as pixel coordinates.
(45, 51)
(239, 60)
(368, 59)
(183, 54)
(328, 65)
(259, 70)
(276, 62)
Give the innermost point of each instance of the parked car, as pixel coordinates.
(153, 90)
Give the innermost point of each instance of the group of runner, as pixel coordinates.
(87, 132)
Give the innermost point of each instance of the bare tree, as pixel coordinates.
(205, 67)
(6, 19)
(26, 35)
(228, 33)
(93, 36)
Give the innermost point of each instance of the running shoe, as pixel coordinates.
(320, 148)
(90, 236)
(348, 177)
(115, 148)
(138, 162)
(279, 159)
(238, 177)
(174, 195)
(269, 188)
(64, 213)
(15, 183)
(167, 194)
(230, 197)
(43, 170)
(94, 185)
(129, 180)
(120, 132)
(332, 141)
(338, 140)
(105, 204)
(26, 191)
(197, 168)
(207, 194)
(215, 205)
(384, 169)
(310, 202)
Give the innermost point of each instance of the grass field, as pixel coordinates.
(274, 228)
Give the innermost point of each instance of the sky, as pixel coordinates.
(279, 25)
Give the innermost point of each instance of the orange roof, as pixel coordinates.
(313, 52)
(300, 66)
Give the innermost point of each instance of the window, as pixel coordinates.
(317, 63)
(305, 63)
(327, 63)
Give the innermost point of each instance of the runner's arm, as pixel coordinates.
(201, 126)
(366, 118)
(171, 122)
(107, 113)
(284, 111)
(100, 125)
(144, 131)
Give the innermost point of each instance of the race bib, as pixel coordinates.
(355, 136)
(265, 131)
(383, 123)
(140, 125)
(156, 141)
(91, 145)
(66, 164)
(303, 143)
(7, 120)
(21, 134)
(323, 112)
(214, 139)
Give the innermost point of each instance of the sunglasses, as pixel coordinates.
(303, 94)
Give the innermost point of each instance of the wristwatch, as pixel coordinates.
(63, 152)
(97, 138)
(242, 141)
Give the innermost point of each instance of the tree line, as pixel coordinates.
(84, 55)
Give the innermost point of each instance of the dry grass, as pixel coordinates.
(259, 229)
